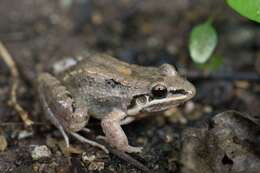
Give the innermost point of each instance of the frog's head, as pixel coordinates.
(168, 89)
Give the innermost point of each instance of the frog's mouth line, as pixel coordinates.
(173, 98)
(165, 103)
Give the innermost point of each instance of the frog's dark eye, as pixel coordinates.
(159, 91)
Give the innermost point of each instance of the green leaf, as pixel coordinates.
(213, 64)
(203, 40)
(247, 8)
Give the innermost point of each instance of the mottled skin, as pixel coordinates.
(113, 91)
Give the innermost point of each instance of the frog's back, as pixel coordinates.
(105, 67)
(123, 72)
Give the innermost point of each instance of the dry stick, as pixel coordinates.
(14, 74)
(21, 123)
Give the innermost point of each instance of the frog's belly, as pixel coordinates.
(98, 108)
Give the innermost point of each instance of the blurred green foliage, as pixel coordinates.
(213, 64)
(247, 8)
(202, 42)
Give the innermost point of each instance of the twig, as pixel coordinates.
(4, 54)
(21, 123)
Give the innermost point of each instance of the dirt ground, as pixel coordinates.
(199, 136)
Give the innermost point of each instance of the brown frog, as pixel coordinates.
(113, 91)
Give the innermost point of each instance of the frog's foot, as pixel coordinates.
(128, 148)
(101, 137)
(90, 142)
(114, 134)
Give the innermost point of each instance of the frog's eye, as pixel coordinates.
(159, 91)
(168, 70)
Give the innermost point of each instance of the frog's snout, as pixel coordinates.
(191, 91)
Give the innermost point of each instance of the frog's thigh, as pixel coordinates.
(67, 111)
(114, 134)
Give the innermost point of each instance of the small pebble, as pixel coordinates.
(97, 18)
(40, 152)
(88, 158)
(168, 138)
(242, 84)
(63, 64)
(207, 109)
(189, 107)
(174, 115)
(93, 163)
(24, 134)
(96, 166)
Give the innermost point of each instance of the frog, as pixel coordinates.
(117, 93)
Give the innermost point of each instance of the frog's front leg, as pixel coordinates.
(114, 134)
(65, 112)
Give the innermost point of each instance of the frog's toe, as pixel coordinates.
(131, 149)
(101, 137)
(87, 130)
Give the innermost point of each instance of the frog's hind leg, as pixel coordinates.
(74, 134)
(59, 127)
(52, 118)
(67, 113)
